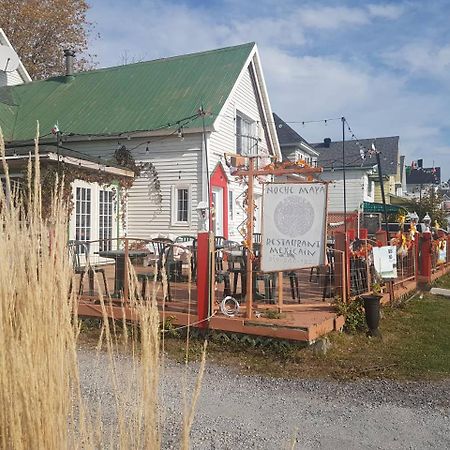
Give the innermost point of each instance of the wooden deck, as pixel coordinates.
(305, 321)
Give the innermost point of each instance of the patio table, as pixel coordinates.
(119, 257)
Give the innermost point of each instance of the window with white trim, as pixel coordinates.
(181, 203)
(105, 219)
(83, 206)
(246, 141)
(94, 216)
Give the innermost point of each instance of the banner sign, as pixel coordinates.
(385, 261)
(293, 226)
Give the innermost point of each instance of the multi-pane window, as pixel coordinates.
(105, 219)
(182, 202)
(83, 207)
(246, 143)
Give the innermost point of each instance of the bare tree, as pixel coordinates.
(40, 30)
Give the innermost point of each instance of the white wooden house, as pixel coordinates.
(153, 109)
(12, 71)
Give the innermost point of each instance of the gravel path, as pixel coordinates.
(250, 412)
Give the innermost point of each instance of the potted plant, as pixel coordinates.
(372, 308)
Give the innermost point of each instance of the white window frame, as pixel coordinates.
(174, 215)
(106, 229)
(246, 140)
(95, 214)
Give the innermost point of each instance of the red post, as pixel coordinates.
(363, 233)
(425, 258)
(205, 277)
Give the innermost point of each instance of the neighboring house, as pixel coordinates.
(152, 110)
(12, 71)
(421, 180)
(293, 147)
(362, 181)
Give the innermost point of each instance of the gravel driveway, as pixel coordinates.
(243, 412)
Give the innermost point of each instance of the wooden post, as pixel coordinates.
(280, 291)
(125, 272)
(205, 278)
(250, 214)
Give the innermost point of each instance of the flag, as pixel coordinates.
(420, 163)
(413, 165)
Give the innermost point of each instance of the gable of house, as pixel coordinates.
(14, 76)
(292, 143)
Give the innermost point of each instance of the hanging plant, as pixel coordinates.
(148, 171)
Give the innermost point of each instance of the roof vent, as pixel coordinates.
(68, 56)
(327, 142)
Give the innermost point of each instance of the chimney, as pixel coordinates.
(327, 142)
(68, 56)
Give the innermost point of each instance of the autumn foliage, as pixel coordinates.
(40, 30)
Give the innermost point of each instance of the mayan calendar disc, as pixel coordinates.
(289, 221)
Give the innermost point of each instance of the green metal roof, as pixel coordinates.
(142, 96)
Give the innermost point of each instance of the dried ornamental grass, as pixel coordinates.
(40, 392)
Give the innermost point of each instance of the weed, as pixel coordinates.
(353, 311)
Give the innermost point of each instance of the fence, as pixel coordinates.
(419, 260)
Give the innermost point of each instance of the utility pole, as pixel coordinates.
(383, 198)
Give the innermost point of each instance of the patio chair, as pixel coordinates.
(222, 276)
(184, 238)
(76, 250)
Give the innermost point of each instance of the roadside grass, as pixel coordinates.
(415, 345)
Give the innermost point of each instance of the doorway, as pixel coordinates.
(217, 201)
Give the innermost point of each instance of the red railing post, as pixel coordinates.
(425, 258)
(205, 277)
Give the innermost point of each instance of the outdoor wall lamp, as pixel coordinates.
(202, 211)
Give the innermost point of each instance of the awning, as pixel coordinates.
(379, 208)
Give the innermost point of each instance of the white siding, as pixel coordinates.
(223, 141)
(10, 78)
(177, 161)
(354, 190)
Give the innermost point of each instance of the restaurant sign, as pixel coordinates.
(293, 226)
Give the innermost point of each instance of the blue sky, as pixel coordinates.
(384, 65)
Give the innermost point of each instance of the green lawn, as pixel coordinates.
(415, 345)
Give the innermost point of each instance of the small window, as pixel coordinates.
(231, 205)
(181, 204)
(246, 142)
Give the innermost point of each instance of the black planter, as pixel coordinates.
(372, 310)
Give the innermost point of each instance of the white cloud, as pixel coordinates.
(329, 18)
(421, 58)
(376, 101)
(387, 11)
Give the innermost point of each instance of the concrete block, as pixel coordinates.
(440, 291)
